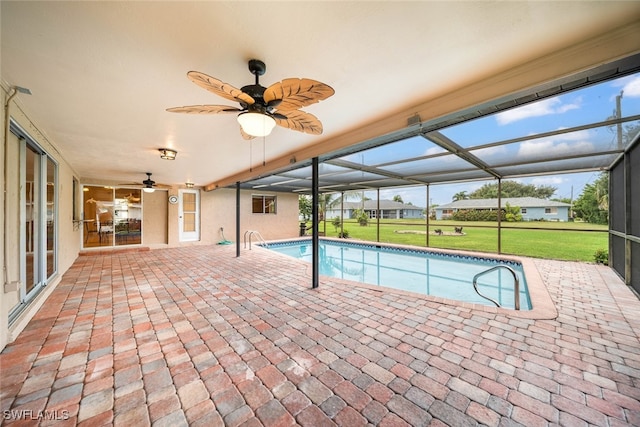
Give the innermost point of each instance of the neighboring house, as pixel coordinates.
(388, 209)
(531, 208)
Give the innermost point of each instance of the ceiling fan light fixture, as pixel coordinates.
(256, 124)
(148, 189)
(167, 153)
(189, 184)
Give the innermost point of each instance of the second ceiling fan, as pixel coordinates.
(262, 108)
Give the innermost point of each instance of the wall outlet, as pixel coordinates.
(11, 286)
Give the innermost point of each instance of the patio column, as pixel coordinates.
(378, 218)
(315, 279)
(237, 219)
(427, 215)
(342, 214)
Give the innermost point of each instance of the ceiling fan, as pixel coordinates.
(148, 185)
(262, 108)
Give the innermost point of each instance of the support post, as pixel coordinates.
(499, 215)
(315, 280)
(378, 218)
(427, 215)
(237, 219)
(342, 214)
(627, 217)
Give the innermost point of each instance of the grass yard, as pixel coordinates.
(572, 241)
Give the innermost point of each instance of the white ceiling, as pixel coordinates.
(103, 73)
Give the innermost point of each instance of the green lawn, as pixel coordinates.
(572, 241)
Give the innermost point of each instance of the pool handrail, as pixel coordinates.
(516, 288)
(253, 233)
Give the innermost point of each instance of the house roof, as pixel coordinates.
(523, 202)
(373, 204)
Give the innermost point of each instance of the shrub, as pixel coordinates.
(512, 213)
(601, 257)
(336, 222)
(344, 234)
(362, 217)
(476, 215)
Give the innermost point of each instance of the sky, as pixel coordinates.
(583, 106)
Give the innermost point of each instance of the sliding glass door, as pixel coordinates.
(38, 213)
(112, 216)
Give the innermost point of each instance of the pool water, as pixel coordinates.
(431, 273)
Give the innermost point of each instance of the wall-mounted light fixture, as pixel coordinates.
(167, 153)
(189, 184)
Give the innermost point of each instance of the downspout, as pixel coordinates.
(4, 187)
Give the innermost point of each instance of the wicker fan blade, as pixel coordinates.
(297, 93)
(204, 109)
(216, 86)
(300, 121)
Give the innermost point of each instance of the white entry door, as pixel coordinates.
(189, 215)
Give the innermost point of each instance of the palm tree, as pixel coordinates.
(461, 195)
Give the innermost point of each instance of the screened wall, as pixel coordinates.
(624, 207)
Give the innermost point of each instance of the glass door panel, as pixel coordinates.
(51, 218)
(32, 207)
(127, 211)
(98, 216)
(112, 216)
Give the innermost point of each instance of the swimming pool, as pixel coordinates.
(415, 270)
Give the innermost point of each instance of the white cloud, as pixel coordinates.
(550, 148)
(433, 150)
(557, 145)
(489, 152)
(547, 180)
(541, 108)
(570, 136)
(632, 88)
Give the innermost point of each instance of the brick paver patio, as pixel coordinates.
(195, 336)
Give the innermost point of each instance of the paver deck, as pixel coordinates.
(196, 336)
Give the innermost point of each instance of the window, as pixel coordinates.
(263, 204)
(553, 211)
(75, 205)
(523, 211)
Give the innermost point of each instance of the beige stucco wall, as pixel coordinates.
(155, 218)
(219, 210)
